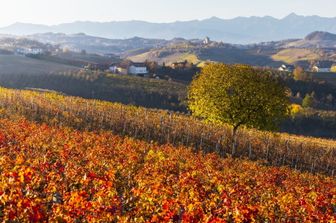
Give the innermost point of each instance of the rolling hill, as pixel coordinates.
(52, 53)
(161, 126)
(60, 174)
(198, 53)
(316, 39)
(67, 159)
(199, 56)
(293, 55)
(94, 44)
(314, 47)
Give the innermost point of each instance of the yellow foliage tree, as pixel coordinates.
(333, 69)
(238, 95)
(299, 74)
(295, 109)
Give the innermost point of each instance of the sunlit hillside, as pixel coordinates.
(51, 172)
(302, 153)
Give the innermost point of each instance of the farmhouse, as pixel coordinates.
(119, 68)
(206, 41)
(137, 69)
(286, 68)
(29, 51)
(128, 67)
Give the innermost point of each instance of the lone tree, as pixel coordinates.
(239, 95)
(308, 101)
(300, 74)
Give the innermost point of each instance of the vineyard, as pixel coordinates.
(59, 174)
(301, 153)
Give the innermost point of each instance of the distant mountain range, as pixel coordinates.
(240, 30)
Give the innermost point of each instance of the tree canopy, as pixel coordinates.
(239, 95)
(300, 74)
(308, 101)
(333, 68)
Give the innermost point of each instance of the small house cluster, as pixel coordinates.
(151, 69)
(317, 67)
(29, 51)
(129, 68)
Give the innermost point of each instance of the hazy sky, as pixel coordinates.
(60, 11)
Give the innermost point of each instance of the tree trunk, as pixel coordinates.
(234, 140)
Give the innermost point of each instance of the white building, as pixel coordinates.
(137, 68)
(206, 41)
(129, 68)
(32, 51)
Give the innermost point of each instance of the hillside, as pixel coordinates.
(80, 60)
(153, 93)
(93, 44)
(314, 47)
(316, 40)
(60, 174)
(98, 85)
(162, 56)
(62, 71)
(52, 171)
(21, 65)
(240, 30)
(293, 55)
(199, 54)
(300, 153)
(54, 52)
(14, 42)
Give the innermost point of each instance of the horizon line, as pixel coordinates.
(173, 21)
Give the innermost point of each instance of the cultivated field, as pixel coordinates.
(58, 174)
(12, 64)
(301, 153)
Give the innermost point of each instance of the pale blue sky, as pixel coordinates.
(60, 11)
